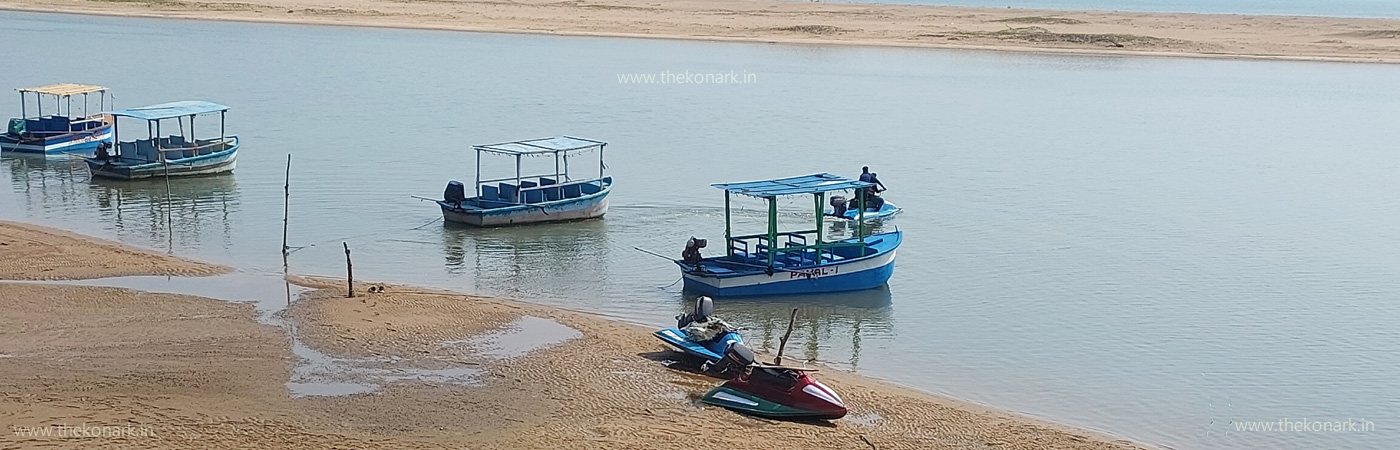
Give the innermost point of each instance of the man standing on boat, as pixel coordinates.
(872, 194)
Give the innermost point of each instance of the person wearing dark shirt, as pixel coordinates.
(872, 197)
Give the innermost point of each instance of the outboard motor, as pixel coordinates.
(455, 192)
(704, 307)
(691, 254)
(736, 358)
(838, 206)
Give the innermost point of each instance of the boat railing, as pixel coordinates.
(173, 147)
(541, 189)
(797, 247)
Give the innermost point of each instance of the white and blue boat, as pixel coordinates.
(61, 132)
(523, 199)
(167, 155)
(790, 262)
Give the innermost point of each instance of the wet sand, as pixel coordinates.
(1197, 35)
(177, 371)
(30, 252)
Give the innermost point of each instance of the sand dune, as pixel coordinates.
(1199, 35)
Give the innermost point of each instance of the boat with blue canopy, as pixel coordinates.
(61, 132)
(790, 262)
(524, 198)
(168, 155)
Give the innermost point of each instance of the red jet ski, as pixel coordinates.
(772, 391)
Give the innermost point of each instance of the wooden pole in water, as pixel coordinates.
(349, 273)
(286, 207)
(778, 360)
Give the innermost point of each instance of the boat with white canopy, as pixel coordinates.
(62, 131)
(526, 198)
(168, 155)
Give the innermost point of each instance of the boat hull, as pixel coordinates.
(81, 143)
(886, 211)
(217, 162)
(807, 399)
(711, 351)
(840, 276)
(586, 207)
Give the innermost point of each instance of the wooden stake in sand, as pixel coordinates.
(286, 207)
(349, 273)
(778, 360)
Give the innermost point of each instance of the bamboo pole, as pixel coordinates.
(349, 273)
(286, 207)
(782, 344)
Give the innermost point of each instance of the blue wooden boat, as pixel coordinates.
(61, 132)
(523, 199)
(168, 155)
(791, 262)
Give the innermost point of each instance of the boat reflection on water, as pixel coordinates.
(829, 327)
(39, 177)
(186, 214)
(529, 261)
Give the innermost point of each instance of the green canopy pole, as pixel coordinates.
(860, 220)
(772, 229)
(728, 235)
(820, 209)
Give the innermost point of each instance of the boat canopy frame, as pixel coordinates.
(816, 185)
(154, 114)
(558, 147)
(61, 93)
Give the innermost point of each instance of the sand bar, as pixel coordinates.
(29, 252)
(1197, 35)
(178, 371)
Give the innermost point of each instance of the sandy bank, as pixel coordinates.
(30, 252)
(1201, 35)
(176, 371)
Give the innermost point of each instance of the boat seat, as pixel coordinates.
(508, 192)
(590, 188)
(547, 181)
(533, 196)
(718, 270)
(572, 191)
(528, 184)
(490, 192)
(552, 194)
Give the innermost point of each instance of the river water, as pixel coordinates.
(1159, 248)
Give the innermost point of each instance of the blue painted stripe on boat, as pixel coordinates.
(855, 281)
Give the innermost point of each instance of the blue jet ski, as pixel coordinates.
(886, 210)
(850, 210)
(700, 334)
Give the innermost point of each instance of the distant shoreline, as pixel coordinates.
(1300, 38)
